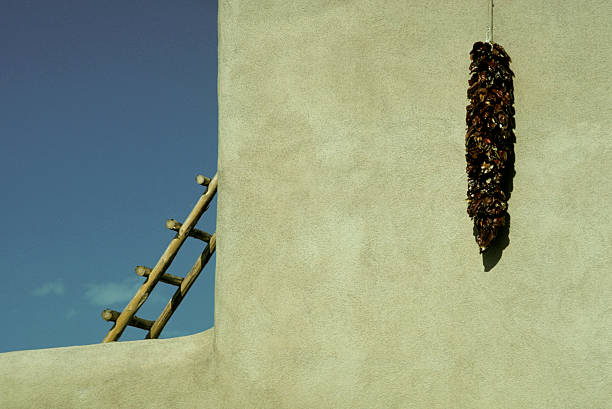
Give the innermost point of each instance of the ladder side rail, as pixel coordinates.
(162, 265)
(181, 292)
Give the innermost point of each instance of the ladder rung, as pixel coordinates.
(112, 315)
(172, 224)
(166, 278)
(202, 180)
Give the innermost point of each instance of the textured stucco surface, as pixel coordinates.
(159, 374)
(347, 273)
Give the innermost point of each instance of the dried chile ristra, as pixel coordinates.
(489, 140)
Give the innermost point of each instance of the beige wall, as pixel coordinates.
(347, 273)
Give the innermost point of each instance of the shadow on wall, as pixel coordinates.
(493, 254)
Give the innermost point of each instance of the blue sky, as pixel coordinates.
(108, 110)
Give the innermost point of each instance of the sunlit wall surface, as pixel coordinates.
(347, 272)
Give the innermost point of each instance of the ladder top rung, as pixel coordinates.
(202, 180)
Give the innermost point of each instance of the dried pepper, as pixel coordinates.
(489, 140)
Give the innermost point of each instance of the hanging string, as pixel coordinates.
(489, 37)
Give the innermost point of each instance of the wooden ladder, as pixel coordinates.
(158, 273)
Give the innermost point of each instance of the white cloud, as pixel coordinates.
(111, 293)
(117, 293)
(71, 313)
(52, 287)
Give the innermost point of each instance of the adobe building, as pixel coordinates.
(347, 272)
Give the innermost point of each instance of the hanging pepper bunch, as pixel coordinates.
(489, 140)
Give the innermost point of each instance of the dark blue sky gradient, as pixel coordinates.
(108, 110)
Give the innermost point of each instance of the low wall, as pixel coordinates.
(147, 374)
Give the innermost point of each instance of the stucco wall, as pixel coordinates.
(347, 273)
